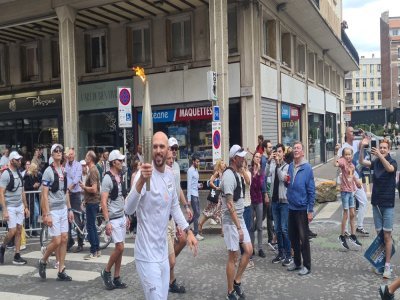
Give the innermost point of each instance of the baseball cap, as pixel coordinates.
(55, 146)
(236, 150)
(115, 154)
(83, 162)
(172, 142)
(14, 155)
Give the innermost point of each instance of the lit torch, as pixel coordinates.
(147, 122)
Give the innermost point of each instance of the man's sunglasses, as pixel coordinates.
(57, 150)
(174, 148)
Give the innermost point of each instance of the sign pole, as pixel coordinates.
(126, 161)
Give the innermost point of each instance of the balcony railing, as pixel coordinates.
(349, 45)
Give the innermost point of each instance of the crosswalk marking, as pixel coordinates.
(14, 296)
(328, 210)
(103, 259)
(77, 275)
(14, 270)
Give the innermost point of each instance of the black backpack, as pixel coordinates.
(114, 192)
(10, 185)
(55, 187)
(238, 191)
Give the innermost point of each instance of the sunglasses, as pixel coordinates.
(174, 148)
(239, 151)
(57, 150)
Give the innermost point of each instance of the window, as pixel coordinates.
(232, 30)
(379, 96)
(96, 51)
(378, 68)
(357, 83)
(372, 106)
(371, 82)
(378, 82)
(311, 66)
(398, 53)
(55, 59)
(179, 37)
(2, 65)
(339, 80)
(364, 82)
(326, 76)
(269, 38)
(357, 108)
(365, 107)
(347, 84)
(372, 96)
(320, 71)
(29, 62)
(398, 72)
(395, 32)
(364, 69)
(371, 69)
(138, 42)
(286, 47)
(399, 89)
(365, 96)
(300, 58)
(332, 80)
(357, 98)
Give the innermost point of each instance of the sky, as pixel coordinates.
(362, 17)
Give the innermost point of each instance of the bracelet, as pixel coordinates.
(107, 222)
(186, 206)
(69, 209)
(239, 228)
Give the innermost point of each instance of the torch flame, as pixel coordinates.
(140, 72)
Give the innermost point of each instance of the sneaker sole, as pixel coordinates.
(102, 277)
(19, 263)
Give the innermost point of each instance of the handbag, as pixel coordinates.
(213, 195)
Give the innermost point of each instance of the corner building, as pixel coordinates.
(280, 64)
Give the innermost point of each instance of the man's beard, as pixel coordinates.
(159, 160)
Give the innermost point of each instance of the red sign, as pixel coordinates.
(194, 113)
(294, 113)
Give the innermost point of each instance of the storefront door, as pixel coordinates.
(316, 139)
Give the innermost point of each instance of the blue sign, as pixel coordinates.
(160, 116)
(128, 117)
(285, 114)
(216, 117)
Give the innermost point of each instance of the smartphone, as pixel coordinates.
(274, 149)
(357, 132)
(373, 144)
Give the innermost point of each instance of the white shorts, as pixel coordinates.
(60, 222)
(16, 216)
(154, 278)
(231, 236)
(118, 232)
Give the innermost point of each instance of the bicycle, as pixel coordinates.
(104, 240)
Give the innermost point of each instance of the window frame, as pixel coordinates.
(55, 40)
(267, 35)
(235, 50)
(24, 76)
(3, 65)
(168, 25)
(130, 28)
(300, 43)
(89, 69)
(288, 36)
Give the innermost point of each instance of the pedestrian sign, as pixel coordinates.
(124, 107)
(216, 116)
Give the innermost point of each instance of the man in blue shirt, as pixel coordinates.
(193, 195)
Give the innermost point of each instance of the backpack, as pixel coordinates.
(10, 185)
(55, 187)
(238, 191)
(114, 192)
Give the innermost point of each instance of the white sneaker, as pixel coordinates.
(212, 222)
(90, 256)
(387, 274)
(22, 247)
(199, 237)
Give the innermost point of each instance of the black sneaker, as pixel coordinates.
(261, 253)
(312, 234)
(231, 296)
(2, 251)
(62, 276)
(287, 262)
(118, 284)
(18, 260)
(343, 242)
(176, 288)
(238, 289)
(354, 240)
(362, 231)
(42, 269)
(384, 292)
(107, 280)
(277, 259)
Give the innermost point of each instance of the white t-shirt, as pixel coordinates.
(152, 210)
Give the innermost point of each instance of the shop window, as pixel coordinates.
(316, 151)
(290, 116)
(364, 82)
(55, 59)
(2, 65)
(269, 38)
(300, 58)
(311, 65)
(179, 37)
(286, 48)
(96, 51)
(320, 72)
(326, 76)
(29, 62)
(232, 29)
(139, 44)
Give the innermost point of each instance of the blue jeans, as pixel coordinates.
(91, 212)
(196, 214)
(347, 200)
(280, 213)
(248, 220)
(383, 218)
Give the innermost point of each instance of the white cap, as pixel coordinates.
(83, 162)
(172, 142)
(51, 160)
(236, 150)
(115, 154)
(14, 155)
(55, 146)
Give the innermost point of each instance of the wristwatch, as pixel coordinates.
(107, 222)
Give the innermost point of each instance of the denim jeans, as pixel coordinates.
(248, 220)
(91, 212)
(280, 212)
(196, 214)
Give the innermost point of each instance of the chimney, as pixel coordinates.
(373, 55)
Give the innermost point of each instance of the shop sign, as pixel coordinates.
(160, 116)
(194, 113)
(294, 113)
(285, 112)
(124, 107)
(212, 85)
(347, 116)
(30, 103)
(216, 141)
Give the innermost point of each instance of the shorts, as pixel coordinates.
(231, 235)
(171, 236)
(347, 200)
(154, 277)
(60, 222)
(383, 218)
(16, 216)
(118, 232)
